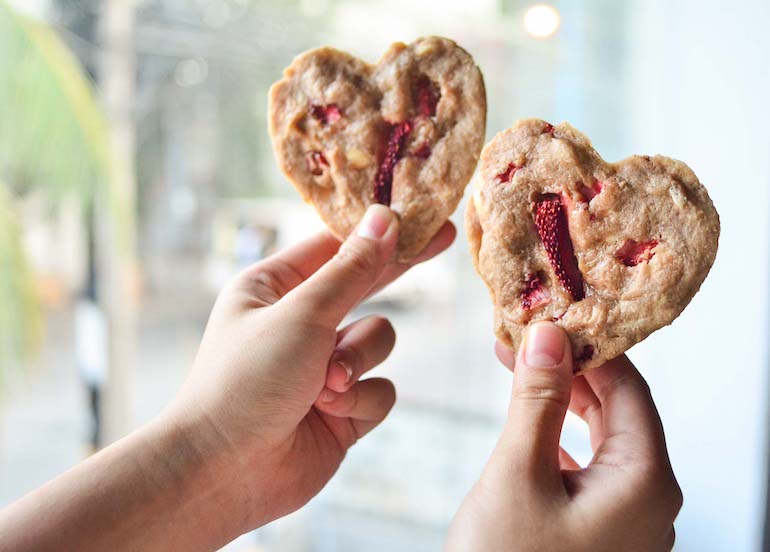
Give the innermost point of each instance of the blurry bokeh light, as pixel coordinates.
(541, 21)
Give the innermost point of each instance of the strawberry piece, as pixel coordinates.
(326, 114)
(633, 252)
(507, 174)
(423, 152)
(535, 294)
(426, 97)
(383, 182)
(589, 193)
(551, 223)
(316, 162)
(548, 129)
(586, 354)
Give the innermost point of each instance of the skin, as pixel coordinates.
(274, 400)
(627, 497)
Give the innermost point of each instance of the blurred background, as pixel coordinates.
(136, 176)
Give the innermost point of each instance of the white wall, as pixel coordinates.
(700, 87)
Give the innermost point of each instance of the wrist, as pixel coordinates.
(205, 474)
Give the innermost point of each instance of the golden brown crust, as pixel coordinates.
(642, 198)
(426, 190)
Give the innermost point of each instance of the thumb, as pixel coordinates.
(337, 287)
(539, 400)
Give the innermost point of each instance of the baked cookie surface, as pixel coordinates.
(406, 132)
(609, 251)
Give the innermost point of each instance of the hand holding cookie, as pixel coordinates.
(533, 496)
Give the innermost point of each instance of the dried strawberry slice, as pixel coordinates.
(551, 223)
(508, 173)
(586, 354)
(426, 97)
(383, 182)
(591, 192)
(423, 152)
(316, 162)
(535, 294)
(633, 252)
(326, 114)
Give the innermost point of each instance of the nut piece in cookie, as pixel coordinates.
(610, 251)
(406, 132)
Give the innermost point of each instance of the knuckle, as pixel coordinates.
(626, 381)
(667, 543)
(662, 486)
(381, 322)
(383, 326)
(677, 497)
(359, 258)
(258, 287)
(541, 390)
(589, 410)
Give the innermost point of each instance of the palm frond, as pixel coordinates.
(52, 132)
(20, 318)
(53, 139)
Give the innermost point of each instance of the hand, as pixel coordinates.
(274, 388)
(533, 496)
(270, 408)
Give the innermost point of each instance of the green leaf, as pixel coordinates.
(20, 316)
(53, 139)
(52, 133)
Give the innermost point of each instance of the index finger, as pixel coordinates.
(289, 267)
(629, 416)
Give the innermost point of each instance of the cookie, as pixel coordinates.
(406, 132)
(609, 251)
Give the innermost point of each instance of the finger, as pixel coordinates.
(366, 403)
(338, 286)
(585, 403)
(566, 462)
(361, 346)
(441, 241)
(285, 270)
(630, 420)
(540, 396)
(505, 354)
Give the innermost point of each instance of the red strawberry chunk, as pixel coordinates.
(326, 114)
(591, 192)
(586, 354)
(633, 252)
(383, 182)
(551, 223)
(535, 294)
(426, 97)
(423, 152)
(507, 174)
(548, 129)
(316, 162)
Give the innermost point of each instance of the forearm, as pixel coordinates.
(158, 489)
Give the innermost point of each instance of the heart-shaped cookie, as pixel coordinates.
(609, 251)
(406, 132)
